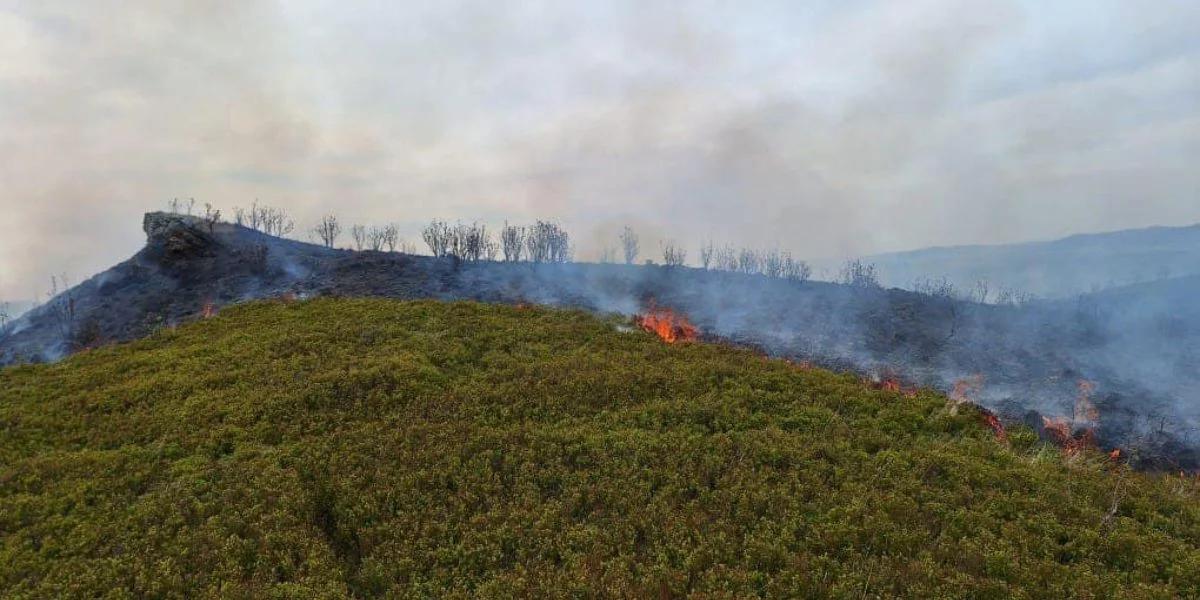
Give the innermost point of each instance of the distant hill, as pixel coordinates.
(1059, 268)
(341, 448)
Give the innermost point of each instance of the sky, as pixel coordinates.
(824, 128)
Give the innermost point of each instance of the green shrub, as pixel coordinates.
(379, 448)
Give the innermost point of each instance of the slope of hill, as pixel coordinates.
(1066, 267)
(368, 447)
(1032, 359)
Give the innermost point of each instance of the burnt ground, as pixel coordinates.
(1139, 349)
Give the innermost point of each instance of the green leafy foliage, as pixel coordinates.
(420, 449)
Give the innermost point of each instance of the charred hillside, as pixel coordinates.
(1102, 363)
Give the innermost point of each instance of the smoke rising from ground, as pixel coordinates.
(826, 129)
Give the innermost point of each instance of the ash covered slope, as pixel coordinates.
(1138, 364)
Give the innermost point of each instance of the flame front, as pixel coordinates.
(668, 325)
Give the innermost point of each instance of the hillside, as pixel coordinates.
(1059, 268)
(1032, 360)
(372, 447)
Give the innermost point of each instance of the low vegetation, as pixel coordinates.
(371, 448)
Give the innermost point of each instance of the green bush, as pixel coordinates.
(420, 449)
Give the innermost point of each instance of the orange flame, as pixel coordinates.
(668, 325)
(209, 311)
(993, 422)
(1059, 430)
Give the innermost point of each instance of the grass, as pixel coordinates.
(375, 448)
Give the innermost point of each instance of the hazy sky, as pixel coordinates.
(827, 128)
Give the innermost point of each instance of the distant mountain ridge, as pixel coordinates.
(1064, 267)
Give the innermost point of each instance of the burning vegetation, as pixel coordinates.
(1078, 432)
(667, 324)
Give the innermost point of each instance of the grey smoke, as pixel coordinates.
(829, 129)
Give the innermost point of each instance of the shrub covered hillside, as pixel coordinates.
(368, 448)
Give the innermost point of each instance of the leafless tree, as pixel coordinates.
(1007, 296)
(629, 244)
(276, 222)
(469, 242)
(796, 270)
(359, 234)
(673, 255)
(271, 221)
(706, 254)
(512, 242)
(375, 238)
(748, 261)
(391, 236)
(61, 303)
(979, 292)
(859, 274)
(772, 263)
(327, 230)
(938, 287)
(725, 259)
(547, 242)
(491, 249)
(212, 216)
(180, 207)
(437, 236)
(5, 314)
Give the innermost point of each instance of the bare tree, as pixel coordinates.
(725, 259)
(748, 261)
(470, 242)
(979, 292)
(5, 314)
(547, 242)
(673, 255)
(179, 207)
(772, 263)
(391, 236)
(796, 270)
(359, 234)
(859, 274)
(629, 244)
(437, 236)
(706, 254)
(276, 222)
(512, 242)
(271, 221)
(212, 216)
(327, 230)
(375, 237)
(1007, 296)
(939, 287)
(61, 304)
